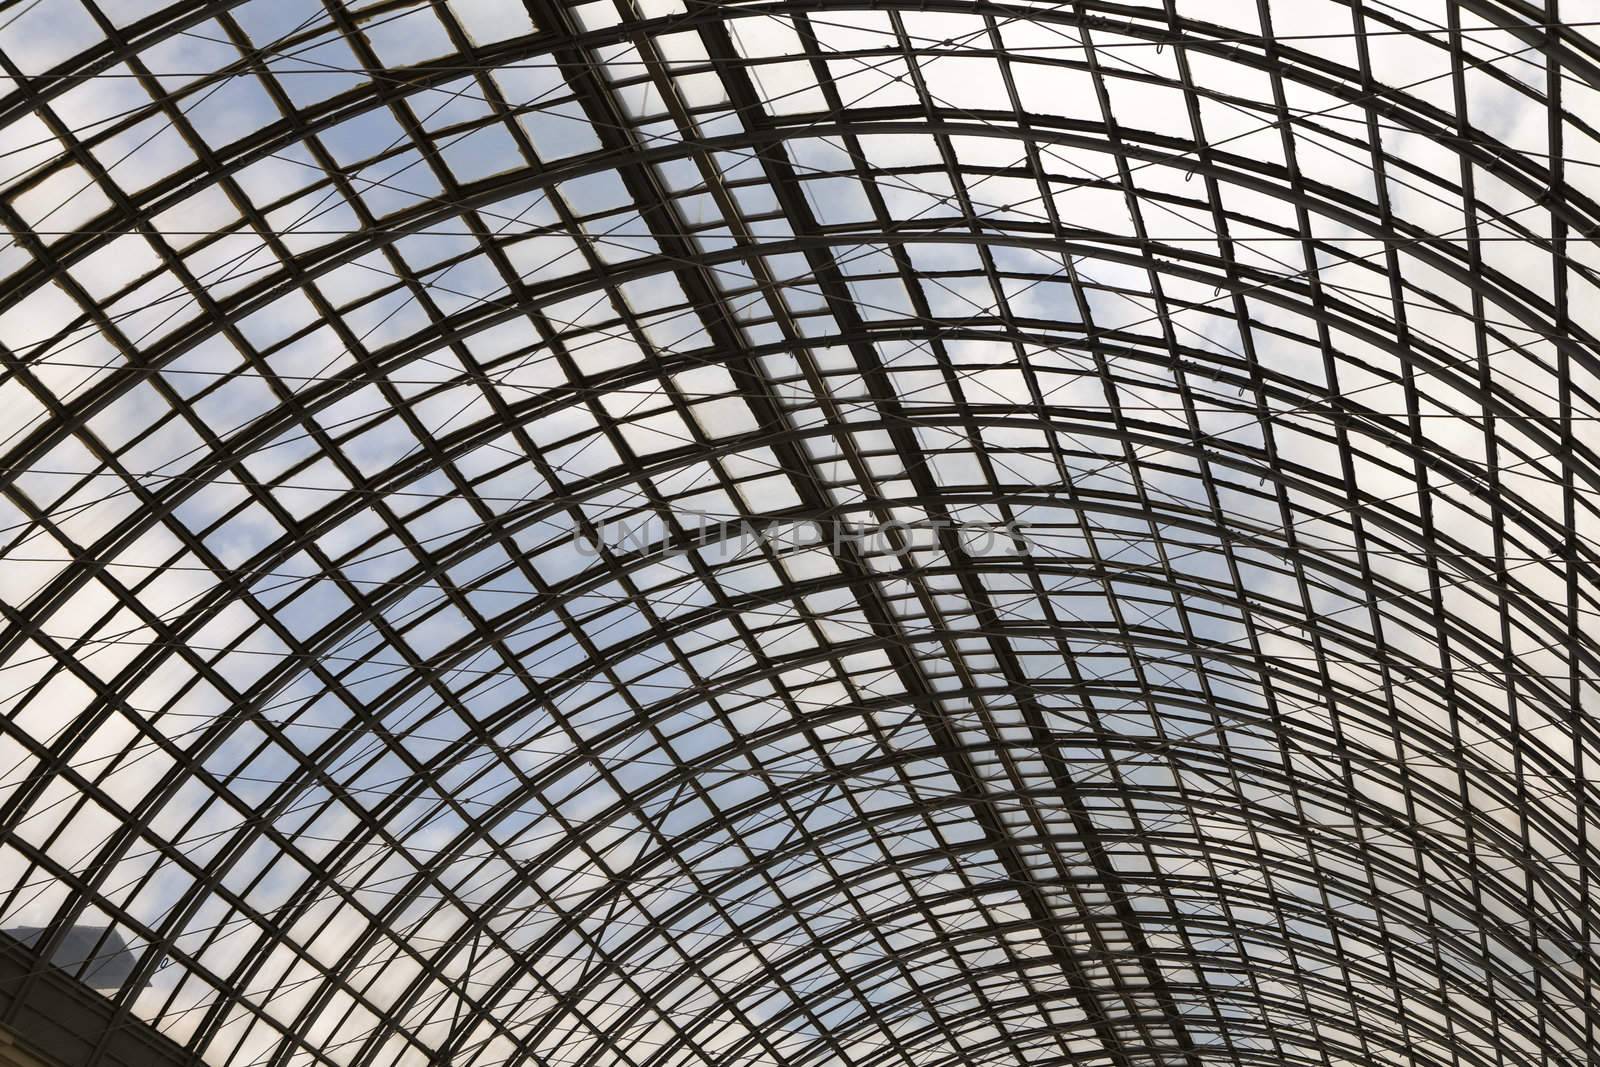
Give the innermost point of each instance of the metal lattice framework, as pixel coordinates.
(913, 533)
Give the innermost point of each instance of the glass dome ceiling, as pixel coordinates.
(658, 532)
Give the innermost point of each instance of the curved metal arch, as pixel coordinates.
(1191, 33)
(197, 481)
(985, 664)
(1473, 1052)
(800, 787)
(469, 439)
(1037, 129)
(492, 426)
(688, 623)
(463, 441)
(845, 932)
(511, 623)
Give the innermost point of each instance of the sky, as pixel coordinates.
(341, 343)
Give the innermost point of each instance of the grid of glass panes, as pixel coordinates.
(670, 533)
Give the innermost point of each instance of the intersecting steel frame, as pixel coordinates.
(1081, 962)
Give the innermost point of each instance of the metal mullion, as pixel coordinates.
(1131, 456)
(751, 639)
(373, 1045)
(662, 507)
(1559, 235)
(880, 211)
(310, 866)
(1247, 343)
(1563, 373)
(1357, 524)
(733, 216)
(1018, 867)
(1470, 210)
(1047, 201)
(328, 449)
(1179, 602)
(1314, 636)
(182, 762)
(116, 43)
(93, 168)
(837, 778)
(1424, 507)
(354, 594)
(776, 301)
(976, 592)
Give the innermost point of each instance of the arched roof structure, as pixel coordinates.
(903, 534)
